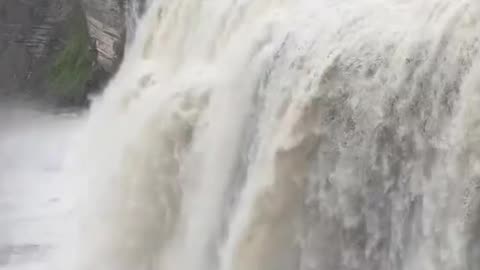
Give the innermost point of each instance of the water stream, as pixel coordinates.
(288, 135)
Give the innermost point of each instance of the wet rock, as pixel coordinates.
(31, 33)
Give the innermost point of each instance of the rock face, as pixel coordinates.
(109, 23)
(31, 32)
(106, 24)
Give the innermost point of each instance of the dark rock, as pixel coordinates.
(30, 34)
(109, 22)
(33, 33)
(106, 24)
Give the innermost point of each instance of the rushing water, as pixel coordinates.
(35, 200)
(288, 135)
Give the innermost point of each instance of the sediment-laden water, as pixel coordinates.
(288, 135)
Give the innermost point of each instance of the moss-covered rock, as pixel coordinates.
(60, 50)
(73, 66)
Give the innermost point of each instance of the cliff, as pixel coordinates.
(31, 32)
(109, 23)
(59, 49)
(106, 25)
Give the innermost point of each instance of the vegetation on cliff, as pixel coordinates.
(73, 66)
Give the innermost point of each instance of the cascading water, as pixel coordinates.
(288, 134)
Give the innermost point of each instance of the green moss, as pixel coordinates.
(73, 66)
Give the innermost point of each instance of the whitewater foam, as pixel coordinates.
(281, 134)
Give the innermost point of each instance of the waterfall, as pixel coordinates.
(288, 135)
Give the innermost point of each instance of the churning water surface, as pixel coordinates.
(286, 135)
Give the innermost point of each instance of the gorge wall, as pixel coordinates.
(106, 25)
(34, 34)
(30, 33)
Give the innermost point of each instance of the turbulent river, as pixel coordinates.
(287, 135)
(36, 201)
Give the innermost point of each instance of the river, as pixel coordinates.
(36, 201)
(264, 135)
